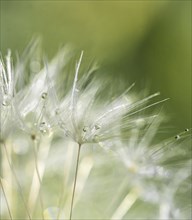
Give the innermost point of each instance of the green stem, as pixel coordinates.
(75, 181)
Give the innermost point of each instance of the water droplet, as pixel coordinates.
(76, 90)
(62, 125)
(5, 103)
(35, 66)
(57, 111)
(44, 128)
(85, 129)
(6, 100)
(140, 122)
(177, 137)
(96, 138)
(44, 95)
(97, 127)
(186, 129)
(67, 133)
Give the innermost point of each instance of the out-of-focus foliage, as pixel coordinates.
(143, 41)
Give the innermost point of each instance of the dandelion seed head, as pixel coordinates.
(16, 99)
(87, 113)
(88, 119)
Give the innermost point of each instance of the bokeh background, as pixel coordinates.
(147, 42)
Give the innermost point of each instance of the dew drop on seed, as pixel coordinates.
(177, 137)
(76, 90)
(85, 129)
(44, 128)
(57, 111)
(67, 133)
(6, 101)
(44, 95)
(35, 66)
(96, 137)
(62, 125)
(140, 122)
(97, 127)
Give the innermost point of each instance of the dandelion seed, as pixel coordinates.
(147, 166)
(86, 121)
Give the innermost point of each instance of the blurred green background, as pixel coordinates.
(147, 42)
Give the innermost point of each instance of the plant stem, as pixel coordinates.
(39, 179)
(6, 200)
(75, 181)
(17, 182)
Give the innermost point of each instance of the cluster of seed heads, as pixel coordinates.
(80, 118)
